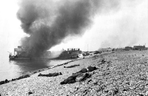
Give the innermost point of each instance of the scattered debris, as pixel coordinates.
(50, 74)
(115, 91)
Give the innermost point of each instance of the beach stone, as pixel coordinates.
(30, 92)
(103, 60)
(146, 94)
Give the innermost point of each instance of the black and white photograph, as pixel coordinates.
(74, 48)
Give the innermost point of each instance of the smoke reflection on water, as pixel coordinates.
(27, 65)
(14, 69)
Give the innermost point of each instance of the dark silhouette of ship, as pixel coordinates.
(19, 54)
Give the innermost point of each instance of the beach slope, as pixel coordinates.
(112, 74)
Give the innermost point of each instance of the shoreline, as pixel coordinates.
(28, 74)
(114, 74)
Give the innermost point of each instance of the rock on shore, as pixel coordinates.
(115, 74)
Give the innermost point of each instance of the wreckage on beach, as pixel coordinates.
(70, 54)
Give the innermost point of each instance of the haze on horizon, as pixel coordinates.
(124, 25)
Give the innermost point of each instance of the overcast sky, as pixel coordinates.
(126, 25)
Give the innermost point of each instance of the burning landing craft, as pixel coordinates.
(19, 54)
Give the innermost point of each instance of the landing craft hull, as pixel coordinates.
(14, 58)
(18, 58)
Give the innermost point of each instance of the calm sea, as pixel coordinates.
(14, 69)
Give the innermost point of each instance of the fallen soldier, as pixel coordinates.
(79, 76)
(76, 78)
(50, 74)
(71, 66)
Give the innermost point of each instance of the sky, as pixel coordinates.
(125, 25)
(10, 30)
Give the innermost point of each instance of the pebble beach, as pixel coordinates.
(120, 73)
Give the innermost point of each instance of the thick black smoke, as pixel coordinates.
(48, 22)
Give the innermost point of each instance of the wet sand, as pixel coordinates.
(118, 74)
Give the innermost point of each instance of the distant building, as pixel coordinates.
(139, 47)
(105, 49)
(70, 54)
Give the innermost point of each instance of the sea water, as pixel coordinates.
(14, 69)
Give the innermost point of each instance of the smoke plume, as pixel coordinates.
(48, 22)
